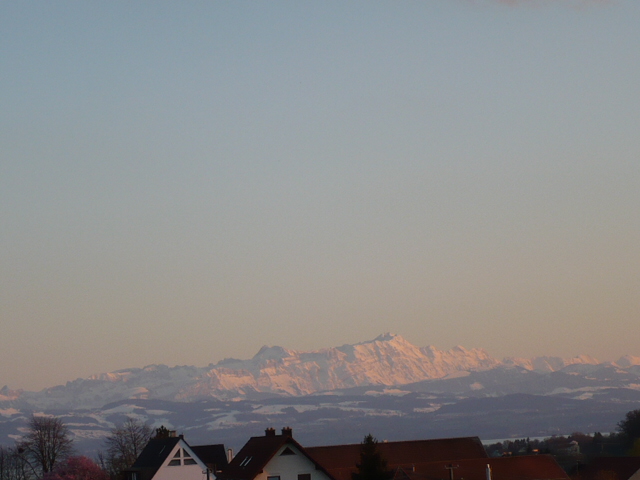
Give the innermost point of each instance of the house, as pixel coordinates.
(274, 457)
(340, 460)
(172, 458)
(280, 457)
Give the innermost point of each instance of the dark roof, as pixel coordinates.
(341, 460)
(214, 456)
(155, 453)
(255, 455)
(526, 467)
(610, 468)
(152, 456)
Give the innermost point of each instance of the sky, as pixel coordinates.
(182, 182)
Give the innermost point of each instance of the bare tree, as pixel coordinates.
(46, 442)
(124, 445)
(13, 465)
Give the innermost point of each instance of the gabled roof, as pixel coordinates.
(341, 460)
(152, 456)
(256, 453)
(213, 456)
(526, 467)
(613, 468)
(158, 449)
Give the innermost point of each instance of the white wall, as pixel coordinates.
(289, 466)
(182, 472)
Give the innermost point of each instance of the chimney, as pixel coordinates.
(287, 432)
(229, 455)
(270, 432)
(172, 433)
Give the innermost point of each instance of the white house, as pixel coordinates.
(172, 458)
(273, 457)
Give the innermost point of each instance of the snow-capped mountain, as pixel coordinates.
(549, 364)
(388, 360)
(386, 385)
(627, 361)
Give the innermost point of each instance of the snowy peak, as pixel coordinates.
(6, 394)
(549, 364)
(387, 360)
(272, 353)
(385, 337)
(627, 361)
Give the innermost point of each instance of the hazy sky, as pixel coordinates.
(182, 182)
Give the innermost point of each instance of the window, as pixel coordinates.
(246, 461)
(273, 477)
(182, 458)
(304, 476)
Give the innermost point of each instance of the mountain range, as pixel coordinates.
(386, 383)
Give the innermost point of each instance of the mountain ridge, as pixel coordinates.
(388, 360)
(386, 385)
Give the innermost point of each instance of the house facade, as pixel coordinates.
(173, 459)
(274, 457)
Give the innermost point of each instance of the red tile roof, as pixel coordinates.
(530, 467)
(610, 468)
(341, 460)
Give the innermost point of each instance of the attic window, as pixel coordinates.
(246, 461)
(287, 451)
(182, 457)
